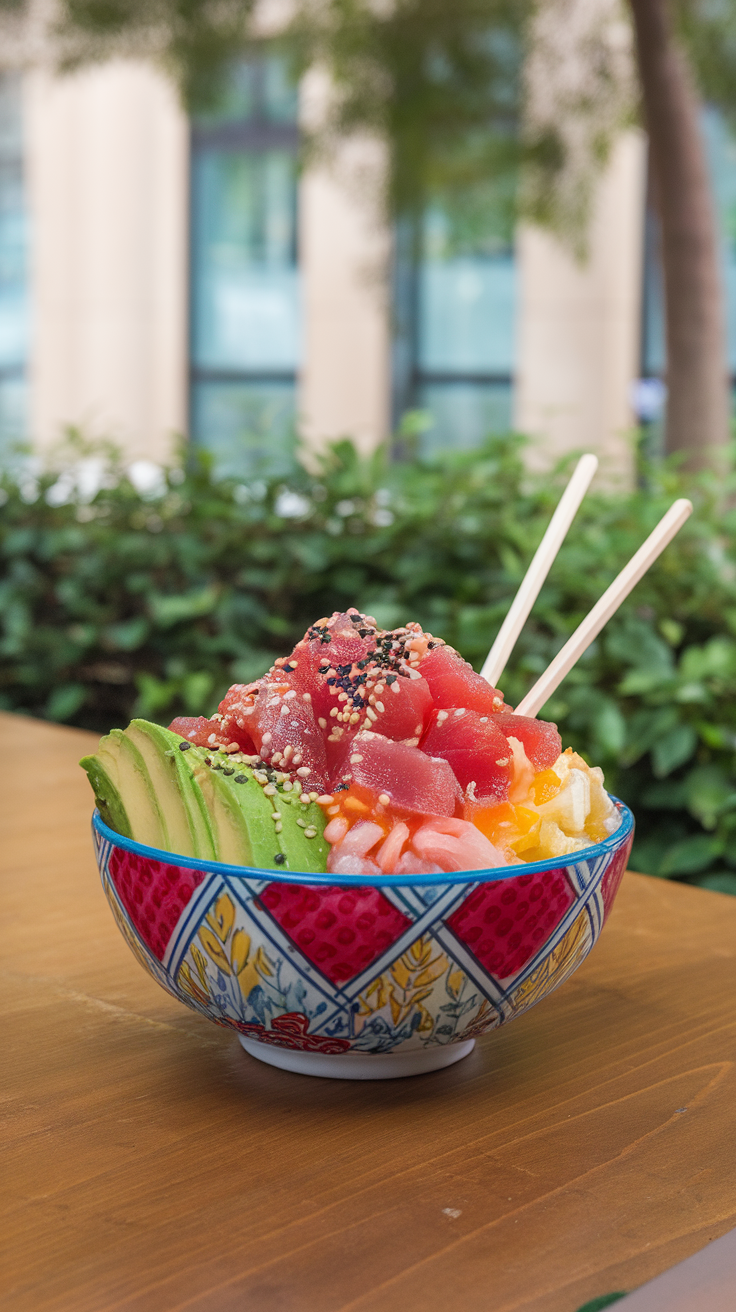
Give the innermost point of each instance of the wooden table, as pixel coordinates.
(149, 1164)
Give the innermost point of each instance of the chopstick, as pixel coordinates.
(668, 526)
(495, 662)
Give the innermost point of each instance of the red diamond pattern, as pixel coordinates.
(340, 930)
(505, 922)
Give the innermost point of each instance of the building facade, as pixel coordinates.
(161, 279)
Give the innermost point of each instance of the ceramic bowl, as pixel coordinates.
(321, 975)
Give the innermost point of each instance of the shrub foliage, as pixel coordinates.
(116, 602)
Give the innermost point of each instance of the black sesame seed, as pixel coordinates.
(184, 747)
(280, 859)
(391, 678)
(227, 769)
(241, 779)
(208, 760)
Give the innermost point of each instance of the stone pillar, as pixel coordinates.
(107, 153)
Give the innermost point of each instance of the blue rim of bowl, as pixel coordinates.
(607, 846)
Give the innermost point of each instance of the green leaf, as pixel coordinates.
(689, 856)
(673, 749)
(65, 701)
(708, 790)
(167, 611)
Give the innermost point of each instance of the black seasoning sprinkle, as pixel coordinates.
(280, 859)
(391, 678)
(184, 747)
(208, 760)
(241, 779)
(341, 788)
(227, 769)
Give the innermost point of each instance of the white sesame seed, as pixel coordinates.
(384, 799)
(297, 758)
(380, 707)
(343, 697)
(301, 823)
(379, 689)
(325, 799)
(275, 815)
(504, 760)
(284, 710)
(334, 711)
(288, 751)
(313, 797)
(333, 810)
(355, 758)
(484, 719)
(333, 689)
(304, 798)
(303, 772)
(396, 687)
(278, 827)
(306, 696)
(276, 758)
(269, 790)
(212, 739)
(371, 714)
(460, 711)
(267, 737)
(354, 717)
(288, 785)
(322, 722)
(288, 696)
(310, 833)
(442, 715)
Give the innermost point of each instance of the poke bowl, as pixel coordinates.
(325, 976)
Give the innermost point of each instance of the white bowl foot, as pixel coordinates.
(359, 1065)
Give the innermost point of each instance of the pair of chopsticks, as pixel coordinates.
(590, 627)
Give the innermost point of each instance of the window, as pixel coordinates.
(245, 311)
(455, 313)
(13, 286)
(721, 149)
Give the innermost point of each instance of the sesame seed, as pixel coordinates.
(301, 823)
(310, 833)
(304, 799)
(278, 827)
(303, 772)
(384, 799)
(212, 739)
(313, 797)
(325, 799)
(297, 758)
(288, 751)
(280, 859)
(288, 785)
(289, 695)
(371, 714)
(184, 747)
(355, 717)
(380, 707)
(356, 758)
(333, 810)
(504, 760)
(284, 710)
(322, 722)
(275, 815)
(269, 790)
(333, 712)
(267, 737)
(395, 687)
(460, 711)
(442, 715)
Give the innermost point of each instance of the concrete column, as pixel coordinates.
(579, 324)
(107, 153)
(345, 382)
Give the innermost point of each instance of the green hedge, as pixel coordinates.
(119, 603)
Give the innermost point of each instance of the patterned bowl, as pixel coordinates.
(324, 976)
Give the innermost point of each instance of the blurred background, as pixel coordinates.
(309, 305)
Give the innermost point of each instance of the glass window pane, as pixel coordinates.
(247, 426)
(463, 414)
(245, 279)
(466, 315)
(13, 283)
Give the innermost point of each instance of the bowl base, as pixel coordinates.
(359, 1065)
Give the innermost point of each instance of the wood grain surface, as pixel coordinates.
(149, 1164)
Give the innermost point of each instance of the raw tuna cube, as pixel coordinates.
(212, 733)
(539, 738)
(453, 682)
(402, 707)
(474, 747)
(412, 780)
(286, 734)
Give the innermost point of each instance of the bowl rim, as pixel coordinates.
(607, 846)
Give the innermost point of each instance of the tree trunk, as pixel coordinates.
(698, 390)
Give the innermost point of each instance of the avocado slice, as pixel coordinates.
(155, 787)
(105, 783)
(122, 763)
(243, 818)
(179, 796)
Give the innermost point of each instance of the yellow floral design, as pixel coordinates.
(407, 984)
(557, 967)
(229, 949)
